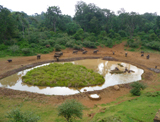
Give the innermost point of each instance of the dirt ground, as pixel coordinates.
(107, 95)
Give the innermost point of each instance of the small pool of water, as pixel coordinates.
(103, 67)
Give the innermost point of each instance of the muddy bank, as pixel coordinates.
(8, 73)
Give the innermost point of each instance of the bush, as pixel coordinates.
(107, 42)
(14, 48)
(70, 109)
(132, 43)
(122, 33)
(18, 116)
(26, 51)
(70, 43)
(136, 88)
(77, 47)
(3, 47)
(89, 44)
(57, 47)
(153, 45)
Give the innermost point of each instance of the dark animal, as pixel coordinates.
(126, 70)
(9, 60)
(155, 67)
(95, 51)
(47, 46)
(126, 54)
(59, 53)
(38, 56)
(82, 49)
(116, 68)
(142, 55)
(113, 53)
(84, 52)
(147, 57)
(142, 51)
(57, 58)
(75, 51)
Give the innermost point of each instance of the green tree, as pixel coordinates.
(136, 88)
(7, 24)
(52, 16)
(70, 109)
(16, 115)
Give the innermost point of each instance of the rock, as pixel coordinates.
(157, 116)
(116, 87)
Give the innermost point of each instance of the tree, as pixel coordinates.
(21, 19)
(52, 16)
(7, 24)
(133, 19)
(136, 88)
(70, 109)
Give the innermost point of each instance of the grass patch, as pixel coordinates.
(139, 109)
(66, 74)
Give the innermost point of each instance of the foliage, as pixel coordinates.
(70, 109)
(136, 88)
(66, 74)
(26, 51)
(77, 47)
(132, 43)
(57, 47)
(16, 115)
(89, 44)
(14, 48)
(153, 45)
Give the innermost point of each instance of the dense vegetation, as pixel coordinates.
(91, 26)
(66, 74)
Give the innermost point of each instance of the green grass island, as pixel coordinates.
(66, 74)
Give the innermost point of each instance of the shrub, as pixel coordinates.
(122, 33)
(70, 109)
(136, 88)
(16, 115)
(3, 47)
(77, 47)
(70, 43)
(107, 42)
(14, 48)
(153, 45)
(89, 44)
(57, 47)
(132, 43)
(26, 51)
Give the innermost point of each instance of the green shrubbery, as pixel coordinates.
(70, 109)
(16, 115)
(66, 74)
(136, 88)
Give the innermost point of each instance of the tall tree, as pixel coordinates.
(7, 24)
(133, 19)
(52, 16)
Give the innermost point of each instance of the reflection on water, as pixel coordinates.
(101, 66)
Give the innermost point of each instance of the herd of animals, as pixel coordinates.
(58, 54)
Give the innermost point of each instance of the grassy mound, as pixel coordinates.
(66, 74)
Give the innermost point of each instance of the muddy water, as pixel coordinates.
(103, 67)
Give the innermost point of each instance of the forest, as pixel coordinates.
(91, 26)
